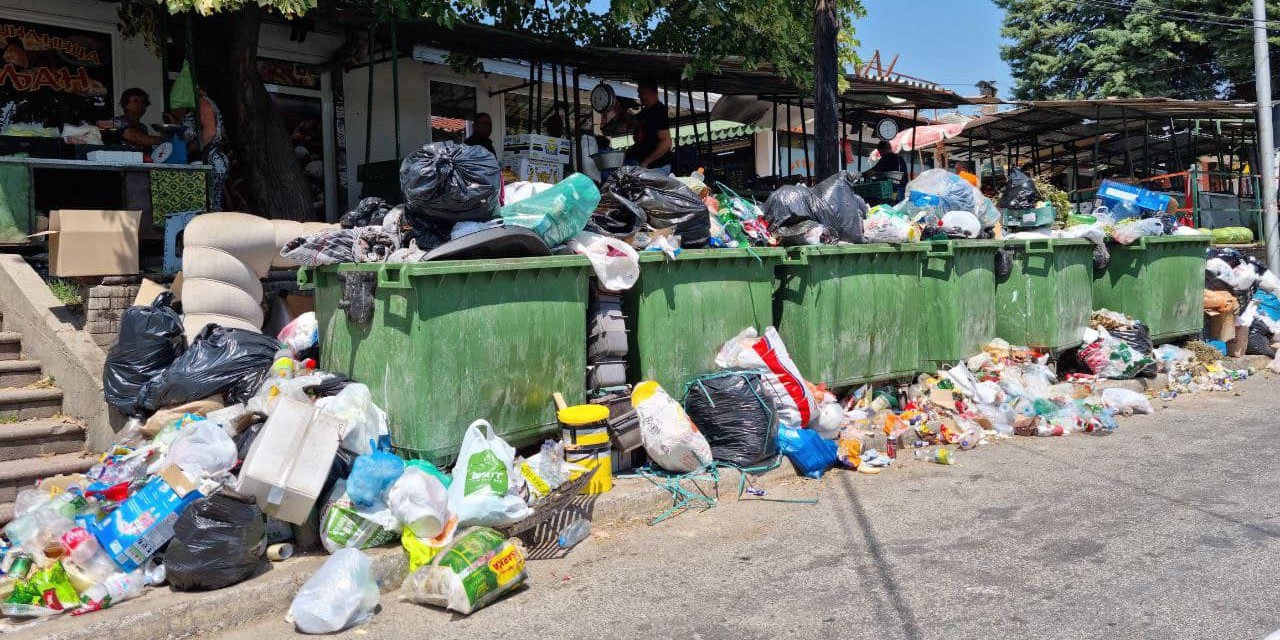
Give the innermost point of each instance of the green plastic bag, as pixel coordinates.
(182, 95)
(557, 214)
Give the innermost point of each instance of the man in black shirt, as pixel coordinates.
(481, 130)
(652, 148)
(889, 161)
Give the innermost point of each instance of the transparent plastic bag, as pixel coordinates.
(484, 490)
(300, 334)
(1126, 402)
(342, 594)
(365, 421)
(420, 502)
(616, 263)
(202, 449)
(371, 476)
(557, 214)
(1129, 231)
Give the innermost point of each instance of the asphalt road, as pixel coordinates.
(1168, 528)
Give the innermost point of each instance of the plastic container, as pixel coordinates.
(681, 311)
(1047, 298)
(585, 424)
(445, 343)
(575, 532)
(1158, 280)
(851, 314)
(290, 459)
(959, 286)
(598, 457)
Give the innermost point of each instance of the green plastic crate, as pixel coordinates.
(850, 314)
(682, 311)
(1158, 280)
(959, 291)
(876, 192)
(450, 342)
(1047, 299)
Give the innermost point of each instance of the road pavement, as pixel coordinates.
(1168, 528)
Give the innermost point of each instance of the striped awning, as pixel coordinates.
(688, 135)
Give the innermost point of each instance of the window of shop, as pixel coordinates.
(453, 110)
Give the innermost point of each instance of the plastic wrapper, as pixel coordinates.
(476, 569)
(485, 489)
(810, 454)
(792, 398)
(218, 541)
(1233, 235)
(954, 194)
(616, 263)
(45, 592)
(670, 438)
(150, 340)
(232, 362)
(451, 182)
(365, 421)
(202, 449)
(880, 227)
(1021, 192)
(1129, 231)
(342, 594)
(557, 214)
(546, 470)
(1125, 401)
(666, 203)
(845, 209)
(371, 476)
(343, 525)
(302, 333)
(1139, 339)
(735, 415)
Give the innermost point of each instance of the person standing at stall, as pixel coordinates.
(482, 133)
(212, 144)
(652, 148)
(133, 134)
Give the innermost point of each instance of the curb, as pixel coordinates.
(163, 614)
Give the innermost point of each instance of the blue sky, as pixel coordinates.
(950, 42)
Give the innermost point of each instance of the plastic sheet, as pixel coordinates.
(451, 182)
(202, 449)
(365, 420)
(557, 214)
(735, 414)
(220, 360)
(616, 263)
(218, 541)
(150, 340)
(1129, 231)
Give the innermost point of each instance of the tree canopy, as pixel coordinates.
(1195, 49)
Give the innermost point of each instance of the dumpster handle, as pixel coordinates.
(1040, 246)
(393, 277)
(941, 250)
(1140, 245)
(306, 281)
(798, 258)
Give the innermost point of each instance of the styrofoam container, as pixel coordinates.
(289, 461)
(120, 157)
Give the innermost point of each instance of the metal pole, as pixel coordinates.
(368, 105)
(789, 134)
(860, 127)
(675, 157)
(395, 86)
(804, 135)
(538, 119)
(706, 103)
(1266, 140)
(1128, 155)
(915, 128)
(577, 122)
(533, 70)
(1097, 139)
(775, 161)
(697, 136)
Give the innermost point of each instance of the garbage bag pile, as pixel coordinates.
(1240, 304)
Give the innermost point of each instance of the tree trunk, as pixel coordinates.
(826, 86)
(265, 174)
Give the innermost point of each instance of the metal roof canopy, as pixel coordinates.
(1060, 121)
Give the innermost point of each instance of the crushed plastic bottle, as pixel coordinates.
(117, 588)
(575, 532)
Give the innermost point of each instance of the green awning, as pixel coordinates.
(688, 135)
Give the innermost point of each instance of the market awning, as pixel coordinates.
(691, 134)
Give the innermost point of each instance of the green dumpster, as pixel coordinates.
(1158, 280)
(851, 313)
(681, 311)
(959, 289)
(441, 344)
(1047, 298)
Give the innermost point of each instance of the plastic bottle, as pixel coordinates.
(282, 368)
(82, 550)
(575, 532)
(116, 588)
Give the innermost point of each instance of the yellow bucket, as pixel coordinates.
(598, 457)
(585, 425)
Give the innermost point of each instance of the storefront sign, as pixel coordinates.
(53, 75)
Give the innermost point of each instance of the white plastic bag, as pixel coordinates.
(365, 420)
(202, 449)
(300, 334)
(670, 437)
(1269, 283)
(420, 502)
(616, 263)
(1129, 231)
(791, 396)
(342, 594)
(484, 490)
(1126, 401)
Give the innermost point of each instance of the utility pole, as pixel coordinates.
(1266, 141)
(826, 84)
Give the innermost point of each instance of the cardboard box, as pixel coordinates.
(1220, 326)
(84, 242)
(529, 170)
(289, 461)
(142, 524)
(537, 147)
(147, 292)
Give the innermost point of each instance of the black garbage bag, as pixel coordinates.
(798, 234)
(233, 362)
(368, 212)
(1004, 262)
(616, 216)
(1260, 340)
(1021, 192)
(1139, 339)
(218, 541)
(792, 204)
(150, 339)
(845, 209)
(427, 233)
(451, 182)
(1101, 256)
(733, 411)
(665, 201)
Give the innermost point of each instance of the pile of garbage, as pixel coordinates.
(239, 452)
(1240, 304)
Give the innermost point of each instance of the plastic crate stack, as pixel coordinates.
(607, 374)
